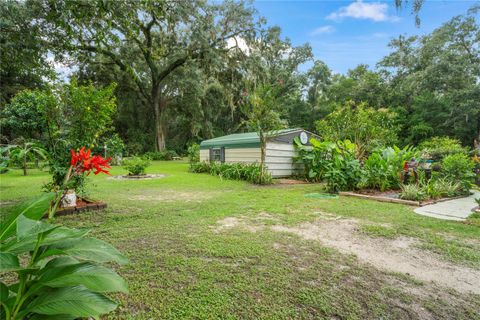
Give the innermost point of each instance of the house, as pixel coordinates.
(245, 148)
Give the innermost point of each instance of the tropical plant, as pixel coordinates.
(440, 147)
(458, 168)
(136, 165)
(382, 170)
(59, 272)
(261, 110)
(23, 152)
(412, 192)
(331, 162)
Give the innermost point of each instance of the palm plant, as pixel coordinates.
(24, 151)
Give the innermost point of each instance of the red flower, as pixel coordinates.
(84, 162)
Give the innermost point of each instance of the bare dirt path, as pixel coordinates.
(394, 255)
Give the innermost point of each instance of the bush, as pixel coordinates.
(164, 155)
(383, 167)
(438, 188)
(233, 171)
(136, 166)
(458, 168)
(193, 153)
(331, 162)
(412, 192)
(440, 147)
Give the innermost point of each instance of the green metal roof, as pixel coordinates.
(240, 140)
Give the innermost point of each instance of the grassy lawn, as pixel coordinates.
(203, 248)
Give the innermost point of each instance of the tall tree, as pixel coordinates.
(160, 37)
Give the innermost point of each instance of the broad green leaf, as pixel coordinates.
(33, 209)
(55, 317)
(93, 277)
(8, 262)
(76, 301)
(91, 249)
(53, 236)
(3, 292)
(27, 227)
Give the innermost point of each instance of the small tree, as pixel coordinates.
(24, 151)
(367, 127)
(262, 117)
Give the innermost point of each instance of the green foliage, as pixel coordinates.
(26, 151)
(366, 127)
(28, 115)
(89, 112)
(438, 148)
(382, 170)
(115, 146)
(331, 162)
(458, 168)
(439, 188)
(234, 171)
(59, 270)
(160, 155)
(136, 165)
(413, 192)
(193, 153)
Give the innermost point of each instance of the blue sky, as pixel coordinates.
(346, 33)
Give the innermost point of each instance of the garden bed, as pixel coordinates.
(392, 197)
(138, 177)
(82, 205)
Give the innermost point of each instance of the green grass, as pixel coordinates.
(182, 267)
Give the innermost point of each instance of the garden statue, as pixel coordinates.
(409, 168)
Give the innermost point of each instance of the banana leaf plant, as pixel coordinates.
(50, 271)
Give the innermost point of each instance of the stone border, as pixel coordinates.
(381, 199)
(91, 206)
(400, 201)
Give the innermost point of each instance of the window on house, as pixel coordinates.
(217, 154)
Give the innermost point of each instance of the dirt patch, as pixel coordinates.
(397, 255)
(172, 196)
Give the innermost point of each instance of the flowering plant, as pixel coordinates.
(59, 271)
(81, 162)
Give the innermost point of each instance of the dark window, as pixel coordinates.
(217, 154)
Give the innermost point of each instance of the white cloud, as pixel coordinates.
(375, 11)
(322, 30)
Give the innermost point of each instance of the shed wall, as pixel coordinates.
(278, 159)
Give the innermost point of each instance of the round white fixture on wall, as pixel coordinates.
(303, 137)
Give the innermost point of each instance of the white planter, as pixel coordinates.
(70, 199)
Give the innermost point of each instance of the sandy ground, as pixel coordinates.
(395, 255)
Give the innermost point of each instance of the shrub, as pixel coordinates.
(193, 153)
(331, 162)
(412, 192)
(136, 165)
(440, 147)
(233, 171)
(458, 168)
(438, 188)
(383, 167)
(164, 155)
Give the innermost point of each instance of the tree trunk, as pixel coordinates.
(159, 106)
(25, 165)
(263, 150)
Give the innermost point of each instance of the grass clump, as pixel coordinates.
(378, 231)
(136, 166)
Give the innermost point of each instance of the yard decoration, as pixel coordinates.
(63, 276)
